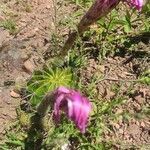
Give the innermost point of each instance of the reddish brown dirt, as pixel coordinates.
(22, 52)
(134, 131)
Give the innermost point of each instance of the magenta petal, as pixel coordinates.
(70, 108)
(57, 105)
(79, 111)
(77, 107)
(136, 3)
(63, 90)
(82, 117)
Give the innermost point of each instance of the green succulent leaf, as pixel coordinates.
(47, 80)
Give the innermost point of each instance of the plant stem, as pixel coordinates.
(37, 125)
(44, 105)
(99, 9)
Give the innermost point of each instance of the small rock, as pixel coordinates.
(108, 94)
(137, 107)
(121, 131)
(133, 129)
(14, 94)
(48, 6)
(20, 82)
(137, 123)
(139, 99)
(2, 18)
(142, 124)
(120, 119)
(24, 56)
(126, 137)
(117, 126)
(29, 66)
(119, 111)
(4, 36)
(101, 68)
(65, 146)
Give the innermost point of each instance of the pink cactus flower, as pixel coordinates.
(136, 3)
(76, 107)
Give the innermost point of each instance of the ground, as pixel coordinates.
(136, 130)
(23, 51)
(24, 47)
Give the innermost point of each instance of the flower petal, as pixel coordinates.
(70, 108)
(63, 90)
(57, 105)
(136, 3)
(79, 111)
(76, 106)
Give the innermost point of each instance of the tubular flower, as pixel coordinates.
(76, 107)
(136, 3)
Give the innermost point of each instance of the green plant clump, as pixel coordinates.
(47, 80)
(10, 25)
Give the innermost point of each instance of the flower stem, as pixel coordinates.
(44, 105)
(38, 125)
(99, 9)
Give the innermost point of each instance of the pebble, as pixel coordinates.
(119, 111)
(142, 124)
(121, 131)
(101, 68)
(48, 6)
(120, 119)
(139, 99)
(2, 18)
(14, 94)
(137, 123)
(117, 126)
(20, 82)
(24, 56)
(29, 66)
(133, 129)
